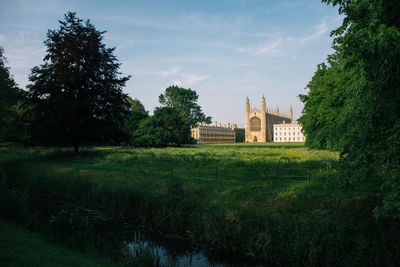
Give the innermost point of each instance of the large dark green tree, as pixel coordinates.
(185, 101)
(9, 97)
(76, 93)
(354, 103)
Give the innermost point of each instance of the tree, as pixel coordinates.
(367, 45)
(9, 97)
(185, 101)
(329, 106)
(77, 93)
(135, 115)
(166, 127)
(239, 137)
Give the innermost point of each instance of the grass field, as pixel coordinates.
(280, 203)
(20, 247)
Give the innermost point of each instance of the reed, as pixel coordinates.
(279, 203)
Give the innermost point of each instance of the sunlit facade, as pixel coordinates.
(288, 132)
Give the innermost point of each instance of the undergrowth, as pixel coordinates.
(280, 204)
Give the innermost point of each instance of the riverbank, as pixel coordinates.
(20, 247)
(281, 204)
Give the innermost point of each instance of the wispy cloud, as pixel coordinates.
(22, 52)
(193, 21)
(267, 48)
(170, 71)
(319, 31)
(2, 38)
(44, 6)
(283, 43)
(189, 79)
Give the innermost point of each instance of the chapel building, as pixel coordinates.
(259, 126)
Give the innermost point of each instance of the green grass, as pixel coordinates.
(280, 203)
(20, 247)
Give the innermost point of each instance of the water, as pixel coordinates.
(181, 254)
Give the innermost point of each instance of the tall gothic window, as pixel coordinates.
(255, 124)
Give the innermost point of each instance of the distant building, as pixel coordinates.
(259, 123)
(240, 131)
(288, 132)
(215, 134)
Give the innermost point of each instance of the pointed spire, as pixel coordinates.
(277, 110)
(263, 105)
(291, 112)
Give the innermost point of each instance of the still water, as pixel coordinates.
(181, 254)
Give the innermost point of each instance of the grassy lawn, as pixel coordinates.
(20, 247)
(281, 203)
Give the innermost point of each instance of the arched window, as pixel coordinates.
(255, 124)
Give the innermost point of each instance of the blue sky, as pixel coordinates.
(225, 50)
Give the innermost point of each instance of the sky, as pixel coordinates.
(224, 49)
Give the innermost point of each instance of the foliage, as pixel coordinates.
(239, 137)
(166, 127)
(9, 108)
(247, 208)
(135, 115)
(329, 105)
(20, 247)
(353, 103)
(11, 201)
(185, 101)
(77, 93)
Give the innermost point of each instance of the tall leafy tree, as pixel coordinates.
(367, 45)
(167, 127)
(9, 97)
(329, 107)
(77, 92)
(136, 114)
(185, 101)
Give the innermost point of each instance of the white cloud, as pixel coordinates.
(269, 48)
(170, 71)
(194, 21)
(320, 30)
(193, 79)
(3, 38)
(177, 82)
(189, 79)
(43, 6)
(265, 49)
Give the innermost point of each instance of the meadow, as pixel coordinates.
(278, 203)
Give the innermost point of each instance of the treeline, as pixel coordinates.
(76, 98)
(353, 103)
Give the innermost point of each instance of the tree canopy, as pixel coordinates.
(167, 127)
(185, 101)
(353, 103)
(135, 115)
(9, 97)
(76, 94)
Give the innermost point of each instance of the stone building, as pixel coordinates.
(288, 132)
(259, 123)
(216, 134)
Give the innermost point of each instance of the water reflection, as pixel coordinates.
(174, 252)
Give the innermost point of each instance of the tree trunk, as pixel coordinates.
(76, 148)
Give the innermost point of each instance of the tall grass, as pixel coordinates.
(275, 202)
